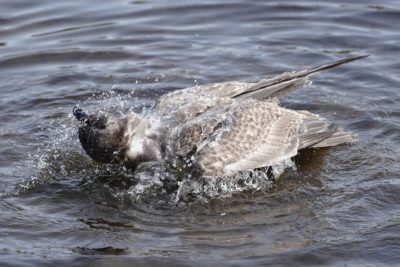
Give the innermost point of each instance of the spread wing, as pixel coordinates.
(252, 134)
(190, 102)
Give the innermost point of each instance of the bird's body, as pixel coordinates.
(217, 129)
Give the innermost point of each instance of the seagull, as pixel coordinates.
(214, 130)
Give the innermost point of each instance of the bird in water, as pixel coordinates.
(214, 130)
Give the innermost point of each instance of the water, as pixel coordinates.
(338, 207)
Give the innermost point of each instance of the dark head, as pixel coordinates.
(102, 136)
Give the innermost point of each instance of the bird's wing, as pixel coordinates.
(191, 102)
(187, 138)
(267, 88)
(287, 82)
(253, 134)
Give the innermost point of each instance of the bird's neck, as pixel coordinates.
(144, 139)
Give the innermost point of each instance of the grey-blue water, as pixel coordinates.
(340, 207)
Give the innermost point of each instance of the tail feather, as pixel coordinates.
(288, 81)
(338, 138)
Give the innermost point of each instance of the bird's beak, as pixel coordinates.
(79, 114)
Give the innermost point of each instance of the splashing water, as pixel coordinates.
(61, 155)
(63, 158)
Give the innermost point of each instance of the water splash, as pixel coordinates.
(61, 157)
(155, 181)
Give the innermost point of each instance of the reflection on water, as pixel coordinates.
(337, 207)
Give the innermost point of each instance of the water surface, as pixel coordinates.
(340, 207)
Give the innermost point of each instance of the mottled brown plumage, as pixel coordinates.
(218, 129)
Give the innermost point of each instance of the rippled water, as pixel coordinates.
(339, 207)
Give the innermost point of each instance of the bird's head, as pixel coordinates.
(102, 136)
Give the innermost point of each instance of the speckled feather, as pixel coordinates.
(220, 128)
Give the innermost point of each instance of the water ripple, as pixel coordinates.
(337, 206)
